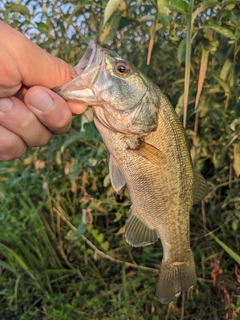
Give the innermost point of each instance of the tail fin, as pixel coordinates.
(175, 278)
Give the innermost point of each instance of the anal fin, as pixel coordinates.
(137, 233)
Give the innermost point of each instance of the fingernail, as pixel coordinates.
(6, 104)
(41, 100)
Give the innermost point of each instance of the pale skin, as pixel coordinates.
(29, 120)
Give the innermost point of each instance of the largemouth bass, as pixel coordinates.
(149, 154)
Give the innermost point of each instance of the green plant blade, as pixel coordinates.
(178, 5)
(231, 253)
(16, 8)
(110, 8)
(221, 30)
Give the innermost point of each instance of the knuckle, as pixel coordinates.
(40, 140)
(11, 148)
(28, 121)
(62, 125)
(45, 138)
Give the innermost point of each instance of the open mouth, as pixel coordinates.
(88, 58)
(87, 71)
(81, 88)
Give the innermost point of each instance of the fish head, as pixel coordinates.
(122, 98)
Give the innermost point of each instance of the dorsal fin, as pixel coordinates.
(201, 188)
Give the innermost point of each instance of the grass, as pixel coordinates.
(47, 275)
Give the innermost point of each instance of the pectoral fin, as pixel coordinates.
(137, 233)
(116, 176)
(201, 188)
(150, 153)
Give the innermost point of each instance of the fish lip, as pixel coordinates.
(90, 61)
(88, 57)
(81, 88)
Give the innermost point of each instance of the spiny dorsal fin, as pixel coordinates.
(201, 188)
(116, 176)
(138, 234)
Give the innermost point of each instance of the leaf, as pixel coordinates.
(98, 236)
(150, 47)
(209, 44)
(110, 8)
(105, 246)
(163, 12)
(87, 217)
(90, 133)
(121, 230)
(203, 6)
(16, 8)
(226, 69)
(110, 30)
(43, 27)
(216, 271)
(39, 164)
(106, 181)
(181, 52)
(237, 273)
(236, 159)
(222, 83)
(179, 106)
(219, 158)
(118, 215)
(78, 233)
(231, 253)
(146, 18)
(126, 21)
(178, 5)
(220, 29)
(236, 122)
(202, 74)
(18, 258)
(187, 62)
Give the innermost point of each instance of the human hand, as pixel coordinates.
(30, 121)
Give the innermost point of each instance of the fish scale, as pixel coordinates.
(157, 192)
(148, 154)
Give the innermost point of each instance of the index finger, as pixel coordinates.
(23, 62)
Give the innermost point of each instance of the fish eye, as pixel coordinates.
(122, 68)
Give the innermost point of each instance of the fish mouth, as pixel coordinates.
(81, 88)
(90, 61)
(88, 56)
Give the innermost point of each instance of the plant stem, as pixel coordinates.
(187, 62)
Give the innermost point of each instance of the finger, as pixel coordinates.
(16, 117)
(75, 107)
(28, 63)
(50, 109)
(11, 145)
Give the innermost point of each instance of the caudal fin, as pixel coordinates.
(175, 278)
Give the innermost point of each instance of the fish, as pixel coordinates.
(148, 154)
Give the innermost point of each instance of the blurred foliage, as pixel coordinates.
(46, 272)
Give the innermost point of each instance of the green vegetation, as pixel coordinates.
(47, 272)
